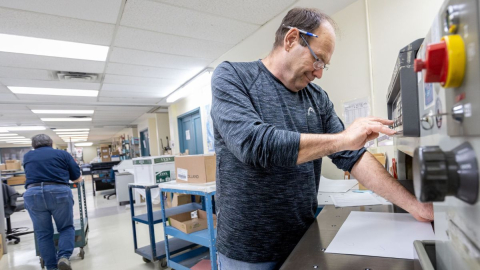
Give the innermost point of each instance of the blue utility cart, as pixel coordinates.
(205, 238)
(155, 250)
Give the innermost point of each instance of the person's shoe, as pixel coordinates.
(64, 264)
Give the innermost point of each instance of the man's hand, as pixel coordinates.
(363, 130)
(423, 212)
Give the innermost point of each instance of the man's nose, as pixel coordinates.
(318, 73)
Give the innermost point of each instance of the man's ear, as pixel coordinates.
(290, 38)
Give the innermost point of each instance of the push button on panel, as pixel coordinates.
(445, 62)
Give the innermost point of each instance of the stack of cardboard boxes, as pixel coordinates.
(105, 154)
(192, 169)
(11, 165)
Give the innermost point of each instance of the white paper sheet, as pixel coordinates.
(328, 185)
(380, 234)
(354, 199)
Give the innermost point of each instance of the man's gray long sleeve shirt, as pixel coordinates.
(265, 201)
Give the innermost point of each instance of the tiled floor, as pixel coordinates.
(110, 241)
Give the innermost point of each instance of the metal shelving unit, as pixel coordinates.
(206, 238)
(156, 250)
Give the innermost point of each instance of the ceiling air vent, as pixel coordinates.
(77, 76)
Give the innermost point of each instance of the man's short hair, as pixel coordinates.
(41, 140)
(308, 19)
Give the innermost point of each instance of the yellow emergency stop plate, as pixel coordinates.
(456, 61)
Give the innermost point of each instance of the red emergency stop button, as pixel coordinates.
(444, 62)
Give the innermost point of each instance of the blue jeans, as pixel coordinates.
(42, 203)
(225, 263)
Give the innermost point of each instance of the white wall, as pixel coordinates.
(362, 64)
(163, 130)
(196, 100)
(89, 153)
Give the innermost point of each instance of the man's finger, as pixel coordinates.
(382, 120)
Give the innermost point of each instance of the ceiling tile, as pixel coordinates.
(64, 99)
(141, 81)
(172, 44)
(7, 97)
(23, 23)
(114, 94)
(24, 73)
(152, 72)
(121, 89)
(129, 100)
(50, 63)
(164, 18)
(128, 56)
(50, 84)
(92, 10)
(252, 11)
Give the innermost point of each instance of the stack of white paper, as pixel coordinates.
(354, 199)
(380, 234)
(328, 185)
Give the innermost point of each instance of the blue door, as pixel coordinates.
(144, 143)
(190, 132)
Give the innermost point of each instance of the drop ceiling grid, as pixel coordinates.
(105, 11)
(249, 11)
(30, 24)
(164, 18)
(148, 72)
(150, 41)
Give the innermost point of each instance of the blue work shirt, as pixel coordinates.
(46, 164)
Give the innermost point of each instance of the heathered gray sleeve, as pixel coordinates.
(245, 134)
(346, 159)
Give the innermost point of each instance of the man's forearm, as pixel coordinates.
(369, 172)
(315, 146)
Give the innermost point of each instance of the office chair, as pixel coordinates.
(11, 206)
(110, 180)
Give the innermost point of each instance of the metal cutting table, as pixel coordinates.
(309, 252)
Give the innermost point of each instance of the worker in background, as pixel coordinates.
(272, 128)
(48, 195)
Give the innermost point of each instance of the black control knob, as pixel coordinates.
(437, 174)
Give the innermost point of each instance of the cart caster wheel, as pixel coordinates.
(163, 263)
(146, 260)
(16, 242)
(82, 253)
(42, 263)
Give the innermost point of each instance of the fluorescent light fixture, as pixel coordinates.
(76, 140)
(26, 143)
(72, 133)
(65, 119)
(8, 134)
(84, 144)
(71, 129)
(196, 83)
(10, 138)
(30, 141)
(21, 128)
(52, 91)
(63, 111)
(50, 47)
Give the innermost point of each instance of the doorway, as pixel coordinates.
(190, 132)
(144, 143)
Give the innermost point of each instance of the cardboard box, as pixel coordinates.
(115, 153)
(181, 199)
(104, 150)
(196, 169)
(106, 158)
(115, 158)
(185, 223)
(3, 167)
(13, 165)
(1, 247)
(16, 180)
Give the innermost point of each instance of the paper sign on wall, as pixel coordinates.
(355, 109)
(187, 135)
